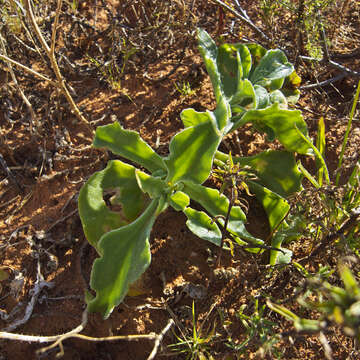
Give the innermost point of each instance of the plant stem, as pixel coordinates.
(352, 112)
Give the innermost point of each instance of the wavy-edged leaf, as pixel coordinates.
(284, 123)
(272, 70)
(179, 200)
(209, 53)
(191, 153)
(125, 255)
(202, 226)
(127, 143)
(191, 117)
(151, 185)
(96, 217)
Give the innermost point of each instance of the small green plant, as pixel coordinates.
(184, 88)
(196, 346)
(251, 85)
(339, 305)
(259, 331)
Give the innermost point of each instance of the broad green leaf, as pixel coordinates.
(127, 143)
(97, 219)
(209, 53)
(125, 255)
(191, 153)
(153, 186)
(217, 204)
(285, 125)
(277, 170)
(275, 206)
(245, 60)
(202, 226)
(179, 201)
(272, 67)
(228, 63)
(191, 117)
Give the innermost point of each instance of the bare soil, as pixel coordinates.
(47, 159)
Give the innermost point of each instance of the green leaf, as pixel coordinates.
(245, 60)
(278, 97)
(217, 204)
(151, 185)
(277, 170)
(275, 206)
(257, 53)
(283, 123)
(320, 145)
(209, 53)
(191, 153)
(191, 117)
(272, 67)
(202, 226)
(127, 143)
(125, 255)
(262, 97)
(228, 63)
(179, 201)
(97, 219)
(244, 97)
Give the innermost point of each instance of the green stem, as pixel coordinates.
(352, 112)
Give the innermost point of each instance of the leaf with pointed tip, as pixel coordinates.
(209, 53)
(283, 123)
(191, 153)
(125, 255)
(96, 217)
(202, 226)
(127, 143)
